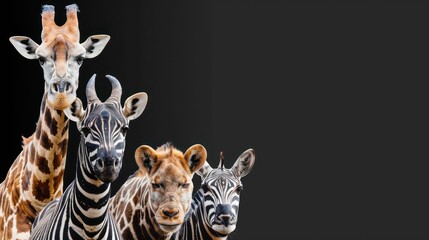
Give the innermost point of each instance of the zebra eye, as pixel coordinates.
(205, 188)
(124, 130)
(79, 60)
(156, 185)
(85, 131)
(42, 60)
(185, 185)
(239, 189)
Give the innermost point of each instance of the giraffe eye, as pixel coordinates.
(42, 60)
(85, 131)
(79, 60)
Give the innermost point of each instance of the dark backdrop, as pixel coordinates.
(329, 94)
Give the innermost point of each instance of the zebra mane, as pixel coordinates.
(221, 162)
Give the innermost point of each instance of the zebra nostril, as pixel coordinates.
(116, 163)
(99, 164)
(225, 219)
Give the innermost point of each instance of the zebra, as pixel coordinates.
(82, 211)
(214, 209)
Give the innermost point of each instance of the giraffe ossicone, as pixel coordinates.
(60, 54)
(35, 177)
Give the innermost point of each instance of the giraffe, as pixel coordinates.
(153, 202)
(36, 176)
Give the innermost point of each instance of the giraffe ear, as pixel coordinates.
(135, 105)
(25, 46)
(75, 112)
(145, 157)
(204, 170)
(195, 156)
(244, 163)
(95, 44)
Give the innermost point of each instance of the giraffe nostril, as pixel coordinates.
(67, 87)
(61, 86)
(54, 87)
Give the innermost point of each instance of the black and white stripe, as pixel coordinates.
(82, 211)
(214, 210)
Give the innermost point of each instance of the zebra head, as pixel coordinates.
(170, 188)
(103, 127)
(221, 190)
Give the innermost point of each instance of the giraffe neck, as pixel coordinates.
(91, 195)
(44, 155)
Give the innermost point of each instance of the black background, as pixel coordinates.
(331, 95)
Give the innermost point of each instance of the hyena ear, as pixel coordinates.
(244, 163)
(195, 156)
(75, 112)
(145, 157)
(95, 44)
(135, 105)
(204, 170)
(25, 46)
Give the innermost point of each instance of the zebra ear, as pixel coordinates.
(244, 163)
(145, 157)
(75, 112)
(195, 156)
(135, 105)
(25, 46)
(95, 44)
(204, 170)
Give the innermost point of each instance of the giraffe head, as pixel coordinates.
(221, 190)
(170, 175)
(103, 127)
(60, 54)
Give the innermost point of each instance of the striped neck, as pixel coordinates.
(91, 197)
(195, 227)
